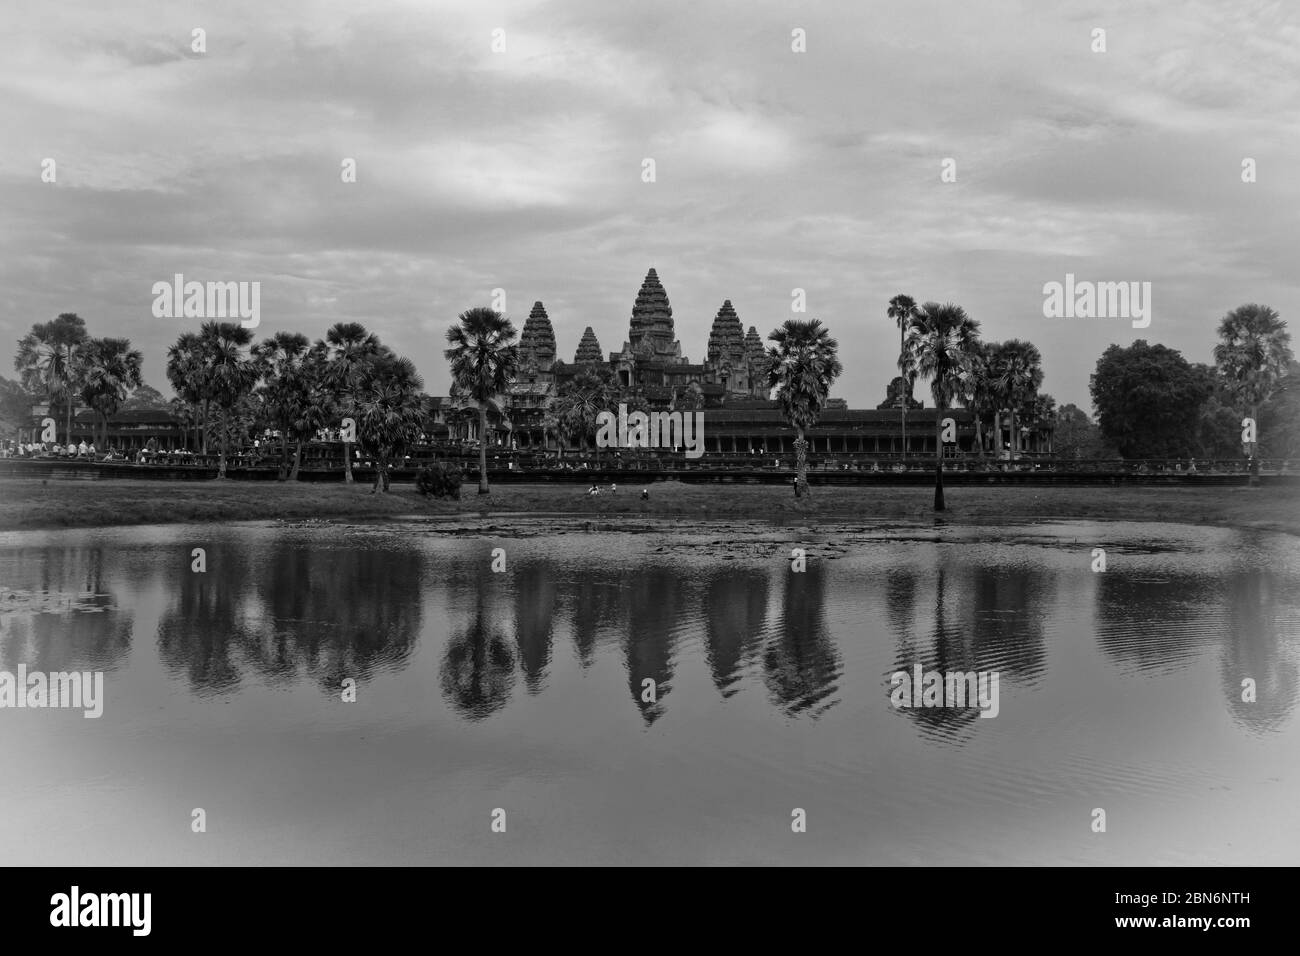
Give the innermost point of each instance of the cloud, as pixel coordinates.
(522, 169)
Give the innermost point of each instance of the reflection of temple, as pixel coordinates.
(730, 385)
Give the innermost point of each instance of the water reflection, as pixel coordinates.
(654, 605)
(281, 608)
(800, 663)
(290, 610)
(478, 665)
(58, 612)
(735, 606)
(984, 617)
(1255, 647)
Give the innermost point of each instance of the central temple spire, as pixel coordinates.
(651, 330)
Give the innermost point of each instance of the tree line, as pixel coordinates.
(1150, 402)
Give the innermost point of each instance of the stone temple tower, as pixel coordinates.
(757, 363)
(650, 334)
(588, 349)
(536, 345)
(728, 358)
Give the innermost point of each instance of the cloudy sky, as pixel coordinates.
(775, 170)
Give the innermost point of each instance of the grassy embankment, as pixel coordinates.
(31, 504)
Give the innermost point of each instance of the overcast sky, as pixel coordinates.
(776, 170)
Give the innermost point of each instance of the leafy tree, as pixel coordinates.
(15, 406)
(1148, 400)
(1016, 369)
(390, 411)
(571, 416)
(145, 397)
(1280, 419)
(803, 363)
(1078, 437)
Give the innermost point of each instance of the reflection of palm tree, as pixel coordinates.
(900, 600)
(58, 614)
(949, 651)
(478, 667)
(535, 594)
(735, 606)
(1254, 647)
(800, 663)
(328, 613)
(200, 633)
(1005, 607)
(341, 612)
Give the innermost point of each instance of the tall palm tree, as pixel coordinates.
(390, 410)
(942, 342)
(185, 372)
(484, 360)
(1253, 356)
(228, 373)
(284, 389)
(802, 365)
(902, 309)
(1017, 376)
(109, 369)
(318, 405)
(981, 393)
(47, 361)
(350, 348)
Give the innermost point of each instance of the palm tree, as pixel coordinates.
(390, 410)
(46, 360)
(185, 372)
(1253, 356)
(185, 414)
(902, 309)
(350, 347)
(484, 359)
(228, 373)
(572, 414)
(1017, 375)
(941, 343)
(981, 395)
(109, 369)
(318, 403)
(802, 365)
(284, 392)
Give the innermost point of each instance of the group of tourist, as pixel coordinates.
(17, 449)
(613, 488)
(86, 451)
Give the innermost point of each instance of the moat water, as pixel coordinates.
(667, 693)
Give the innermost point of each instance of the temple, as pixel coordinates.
(730, 385)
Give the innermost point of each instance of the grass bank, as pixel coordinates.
(27, 504)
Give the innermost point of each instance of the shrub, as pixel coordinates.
(439, 479)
